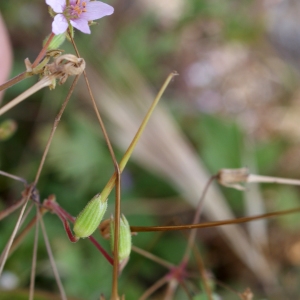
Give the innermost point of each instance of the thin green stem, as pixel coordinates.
(109, 186)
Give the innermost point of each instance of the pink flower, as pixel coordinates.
(79, 13)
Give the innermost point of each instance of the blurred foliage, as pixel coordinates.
(79, 164)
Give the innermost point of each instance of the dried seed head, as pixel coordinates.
(90, 217)
(233, 177)
(64, 66)
(124, 238)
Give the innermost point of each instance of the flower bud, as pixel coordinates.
(56, 41)
(124, 238)
(90, 217)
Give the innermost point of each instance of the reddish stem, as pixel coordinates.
(25, 75)
(68, 230)
(105, 254)
(51, 205)
(43, 51)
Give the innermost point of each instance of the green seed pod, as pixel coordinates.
(90, 217)
(56, 41)
(124, 238)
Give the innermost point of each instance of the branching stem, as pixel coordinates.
(115, 295)
(25, 75)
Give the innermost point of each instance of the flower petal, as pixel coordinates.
(59, 24)
(96, 10)
(81, 25)
(57, 5)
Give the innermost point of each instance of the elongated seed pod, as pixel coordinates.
(90, 217)
(124, 239)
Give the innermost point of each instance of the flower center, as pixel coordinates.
(75, 10)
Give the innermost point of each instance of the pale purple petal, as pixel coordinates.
(81, 25)
(57, 5)
(96, 10)
(59, 24)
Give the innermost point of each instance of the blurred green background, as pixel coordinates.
(236, 101)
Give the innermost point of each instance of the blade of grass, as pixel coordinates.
(109, 186)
